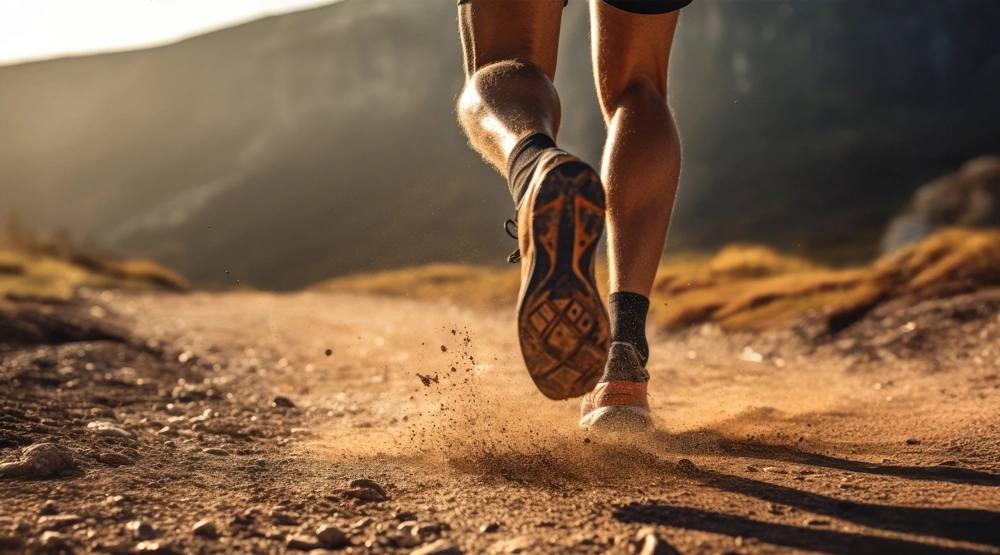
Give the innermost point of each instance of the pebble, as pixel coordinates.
(216, 451)
(370, 484)
(53, 540)
(489, 528)
(38, 461)
(205, 528)
(141, 530)
(686, 466)
(751, 468)
(774, 470)
(331, 535)
(49, 508)
(283, 402)
(114, 459)
(440, 547)
(913, 441)
(58, 521)
(817, 522)
(303, 542)
(365, 494)
(283, 518)
(108, 429)
(362, 523)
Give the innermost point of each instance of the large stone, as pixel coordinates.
(38, 461)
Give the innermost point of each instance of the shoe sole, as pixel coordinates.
(562, 323)
(620, 419)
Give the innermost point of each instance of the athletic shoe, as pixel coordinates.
(618, 403)
(561, 320)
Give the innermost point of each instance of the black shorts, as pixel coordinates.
(637, 6)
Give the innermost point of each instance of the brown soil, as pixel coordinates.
(882, 438)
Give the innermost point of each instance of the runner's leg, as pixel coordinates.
(510, 49)
(642, 156)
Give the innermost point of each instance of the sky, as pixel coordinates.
(40, 29)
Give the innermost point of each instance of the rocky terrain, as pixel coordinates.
(157, 422)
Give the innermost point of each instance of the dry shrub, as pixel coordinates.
(48, 268)
(949, 262)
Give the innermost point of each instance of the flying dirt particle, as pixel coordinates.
(237, 281)
(426, 380)
(444, 349)
(329, 352)
(453, 369)
(453, 332)
(736, 102)
(227, 272)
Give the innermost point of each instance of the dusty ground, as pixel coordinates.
(882, 439)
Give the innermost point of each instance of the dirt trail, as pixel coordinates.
(755, 453)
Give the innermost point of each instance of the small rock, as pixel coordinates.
(363, 483)
(141, 530)
(520, 544)
(440, 547)
(362, 523)
(215, 451)
(283, 518)
(303, 542)
(205, 528)
(114, 459)
(53, 540)
(283, 402)
(686, 466)
(817, 522)
(774, 470)
(108, 429)
(170, 444)
(913, 441)
(166, 431)
(405, 538)
(365, 494)
(58, 521)
(404, 516)
(647, 542)
(751, 468)
(489, 528)
(38, 461)
(331, 535)
(49, 508)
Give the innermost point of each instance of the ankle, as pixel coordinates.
(628, 311)
(522, 162)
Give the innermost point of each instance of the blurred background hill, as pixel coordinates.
(323, 142)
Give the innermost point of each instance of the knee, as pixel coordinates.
(509, 81)
(640, 94)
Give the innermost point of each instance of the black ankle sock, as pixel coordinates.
(523, 160)
(628, 320)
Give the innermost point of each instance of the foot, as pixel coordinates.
(562, 324)
(618, 403)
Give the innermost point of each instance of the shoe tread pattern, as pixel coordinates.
(562, 323)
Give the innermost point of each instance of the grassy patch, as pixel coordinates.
(46, 269)
(743, 287)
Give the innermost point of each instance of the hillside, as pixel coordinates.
(321, 143)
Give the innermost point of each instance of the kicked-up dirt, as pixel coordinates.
(266, 423)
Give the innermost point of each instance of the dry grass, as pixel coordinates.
(746, 287)
(468, 284)
(46, 268)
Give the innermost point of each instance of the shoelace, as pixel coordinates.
(515, 256)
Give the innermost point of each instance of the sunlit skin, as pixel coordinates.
(511, 48)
